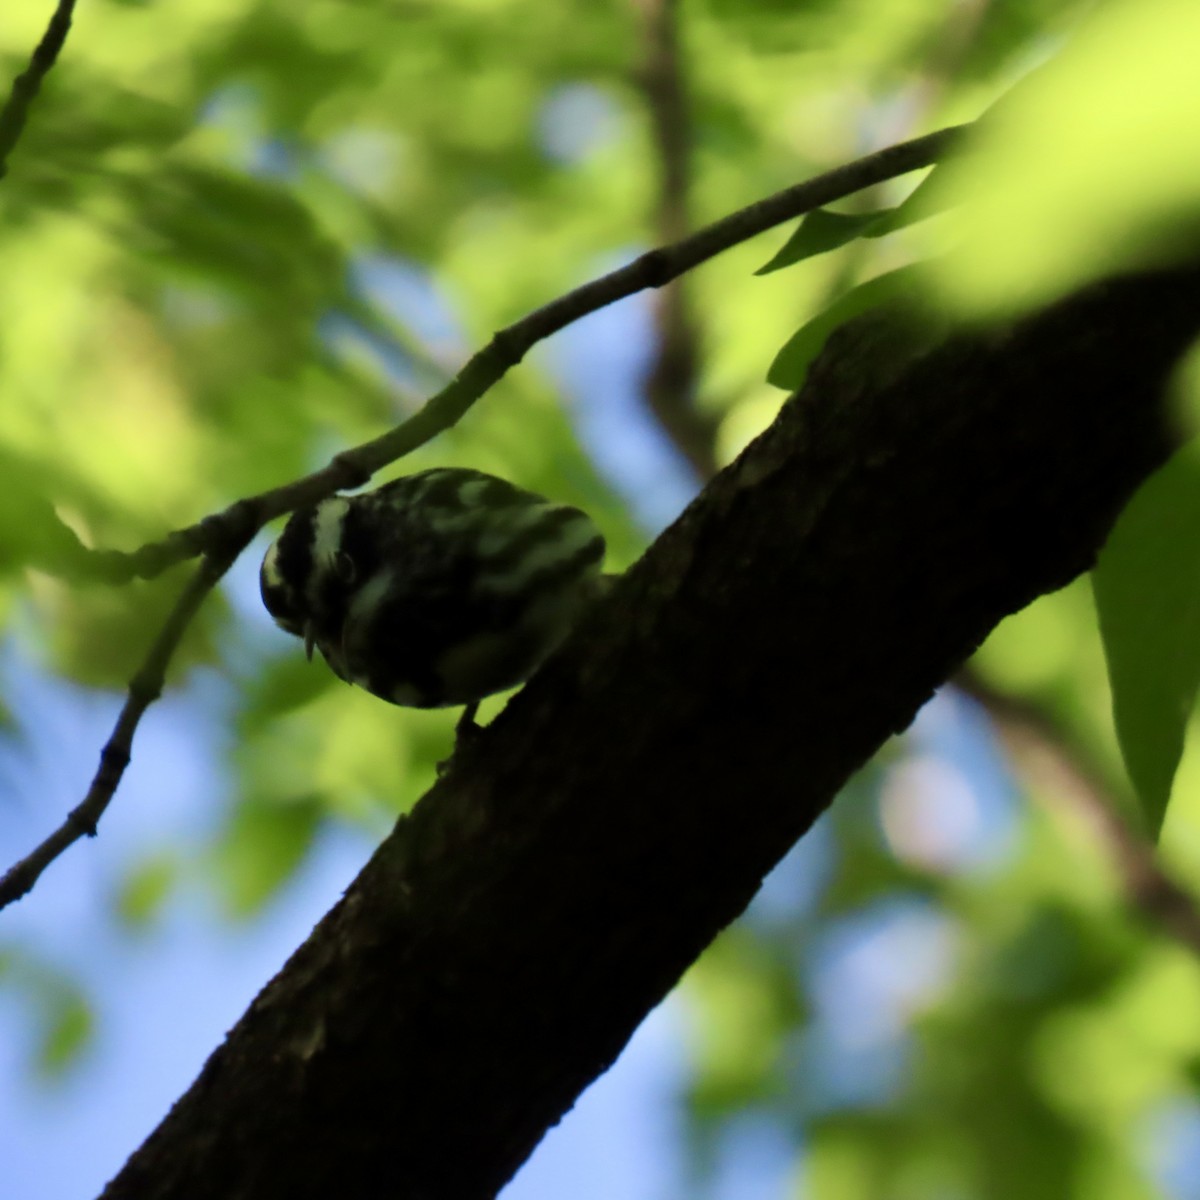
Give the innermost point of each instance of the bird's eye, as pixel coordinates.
(344, 567)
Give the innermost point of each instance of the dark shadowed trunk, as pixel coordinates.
(503, 944)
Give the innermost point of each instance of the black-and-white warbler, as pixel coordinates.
(436, 589)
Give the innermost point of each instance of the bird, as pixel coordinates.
(436, 589)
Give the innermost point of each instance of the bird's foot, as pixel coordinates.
(465, 732)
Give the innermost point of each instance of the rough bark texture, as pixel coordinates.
(502, 945)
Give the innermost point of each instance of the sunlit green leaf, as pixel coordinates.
(31, 532)
(821, 230)
(1147, 585)
(1085, 167)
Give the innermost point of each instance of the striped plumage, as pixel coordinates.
(438, 588)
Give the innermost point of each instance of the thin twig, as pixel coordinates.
(26, 85)
(144, 688)
(353, 468)
(1052, 757)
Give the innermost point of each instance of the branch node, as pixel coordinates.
(351, 473)
(224, 534)
(655, 268)
(144, 688)
(509, 349)
(82, 822)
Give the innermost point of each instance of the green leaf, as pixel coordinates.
(68, 1030)
(1077, 173)
(821, 230)
(30, 530)
(818, 232)
(1147, 587)
(926, 200)
(282, 685)
(146, 889)
(791, 363)
(262, 847)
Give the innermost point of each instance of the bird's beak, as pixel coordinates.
(310, 638)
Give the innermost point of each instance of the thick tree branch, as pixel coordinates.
(27, 85)
(502, 945)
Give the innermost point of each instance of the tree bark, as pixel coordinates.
(502, 945)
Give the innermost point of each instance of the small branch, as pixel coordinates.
(655, 269)
(26, 85)
(670, 384)
(145, 687)
(1055, 760)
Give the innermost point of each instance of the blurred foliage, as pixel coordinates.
(145, 889)
(1086, 166)
(1147, 586)
(240, 235)
(260, 847)
(59, 1013)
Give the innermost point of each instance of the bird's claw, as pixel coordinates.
(465, 732)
